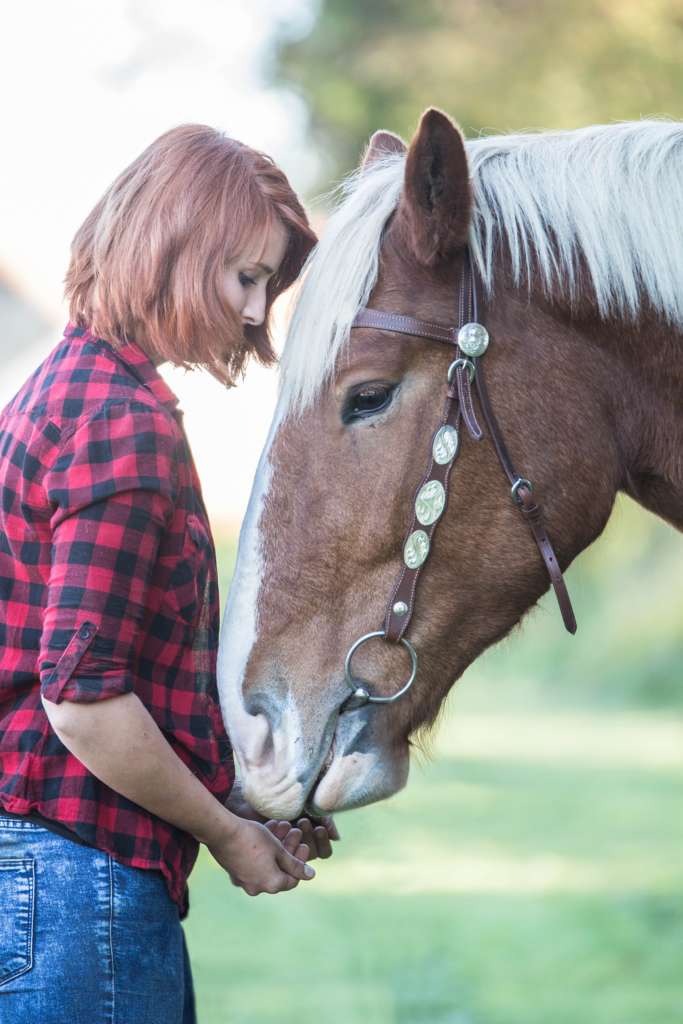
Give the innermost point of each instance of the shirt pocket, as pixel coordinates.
(187, 579)
(17, 900)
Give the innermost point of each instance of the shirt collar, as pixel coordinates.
(142, 366)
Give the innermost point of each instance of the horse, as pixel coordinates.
(573, 241)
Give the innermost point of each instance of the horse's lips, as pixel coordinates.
(273, 797)
(325, 767)
(272, 788)
(329, 757)
(343, 784)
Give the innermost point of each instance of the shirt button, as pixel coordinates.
(85, 634)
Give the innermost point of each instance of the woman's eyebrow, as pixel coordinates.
(250, 268)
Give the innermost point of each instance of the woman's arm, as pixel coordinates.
(120, 743)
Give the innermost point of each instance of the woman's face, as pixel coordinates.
(245, 280)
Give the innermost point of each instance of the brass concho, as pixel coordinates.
(430, 503)
(473, 339)
(445, 445)
(416, 549)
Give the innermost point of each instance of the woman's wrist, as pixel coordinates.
(222, 826)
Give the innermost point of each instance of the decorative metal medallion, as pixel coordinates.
(445, 445)
(400, 609)
(473, 339)
(416, 549)
(430, 502)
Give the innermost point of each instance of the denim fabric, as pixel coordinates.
(85, 939)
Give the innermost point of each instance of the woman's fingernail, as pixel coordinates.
(309, 872)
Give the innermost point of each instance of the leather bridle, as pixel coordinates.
(470, 340)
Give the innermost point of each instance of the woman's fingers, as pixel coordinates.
(296, 869)
(292, 841)
(308, 837)
(293, 844)
(302, 852)
(322, 841)
(317, 833)
(280, 829)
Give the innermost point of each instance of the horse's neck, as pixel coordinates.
(649, 412)
(612, 394)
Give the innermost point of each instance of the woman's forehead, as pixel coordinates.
(267, 251)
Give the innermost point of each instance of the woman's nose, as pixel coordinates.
(254, 312)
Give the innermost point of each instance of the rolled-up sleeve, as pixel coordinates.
(112, 491)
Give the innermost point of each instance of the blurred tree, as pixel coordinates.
(492, 64)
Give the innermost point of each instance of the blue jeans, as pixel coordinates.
(84, 939)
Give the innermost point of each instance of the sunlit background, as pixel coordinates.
(86, 86)
(531, 873)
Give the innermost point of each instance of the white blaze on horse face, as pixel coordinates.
(266, 757)
(248, 733)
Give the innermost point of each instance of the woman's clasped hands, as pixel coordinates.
(270, 856)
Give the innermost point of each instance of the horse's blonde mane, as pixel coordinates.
(609, 195)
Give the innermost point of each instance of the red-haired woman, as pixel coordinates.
(114, 763)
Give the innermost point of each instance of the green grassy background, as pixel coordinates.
(532, 872)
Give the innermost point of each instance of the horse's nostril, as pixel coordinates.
(257, 743)
(260, 703)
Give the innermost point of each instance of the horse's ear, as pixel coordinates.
(382, 144)
(436, 202)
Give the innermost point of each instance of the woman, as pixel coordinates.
(114, 764)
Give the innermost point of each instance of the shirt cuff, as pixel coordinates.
(61, 683)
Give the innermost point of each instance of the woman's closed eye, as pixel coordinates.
(245, 281)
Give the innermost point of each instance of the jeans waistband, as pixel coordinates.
(17, 823)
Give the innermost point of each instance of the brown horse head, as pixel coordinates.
(571, 234)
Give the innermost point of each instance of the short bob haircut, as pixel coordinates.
(149, 259)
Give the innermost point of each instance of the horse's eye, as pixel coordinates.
(368, 398)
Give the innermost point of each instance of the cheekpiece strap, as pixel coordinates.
(470, 340)
(431, 497)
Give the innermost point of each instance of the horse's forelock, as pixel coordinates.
(337, 280)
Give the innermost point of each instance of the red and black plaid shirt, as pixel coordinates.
(108, 585)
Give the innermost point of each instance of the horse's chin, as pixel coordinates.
(356, 779)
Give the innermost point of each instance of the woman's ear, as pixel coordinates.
(436, 203)
(382, 144)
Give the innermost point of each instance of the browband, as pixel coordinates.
(405, 325)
